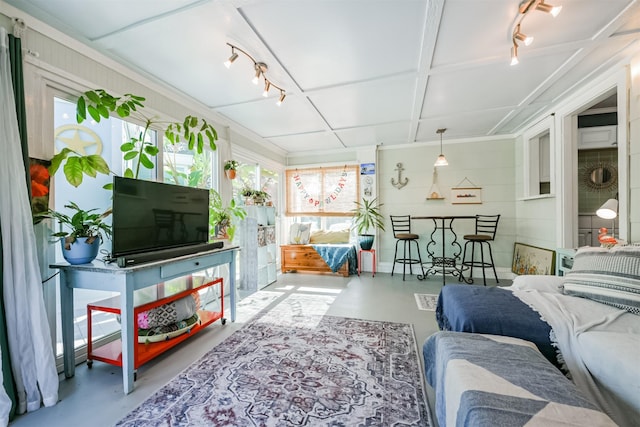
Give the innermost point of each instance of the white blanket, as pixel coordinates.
(600, 345)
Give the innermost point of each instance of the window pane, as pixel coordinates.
(269, 183)
(245, 178)
(186, 167)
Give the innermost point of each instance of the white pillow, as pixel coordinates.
(299, 233)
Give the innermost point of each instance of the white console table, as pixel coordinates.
(126, 280)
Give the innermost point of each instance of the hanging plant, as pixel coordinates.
(230, 168)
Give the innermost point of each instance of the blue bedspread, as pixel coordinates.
(336, 255)
(490, 310)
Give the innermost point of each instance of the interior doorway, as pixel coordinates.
(597, 167)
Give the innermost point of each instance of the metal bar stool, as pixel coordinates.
(402, 232)
(486, 227)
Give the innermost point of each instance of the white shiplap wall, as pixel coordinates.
(488, 164)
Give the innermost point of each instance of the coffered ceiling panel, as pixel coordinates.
(268, 120)
(380, 101)
(317, 141)
(386, 134)
(327, 43)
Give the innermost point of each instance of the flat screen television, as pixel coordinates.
(151, 216)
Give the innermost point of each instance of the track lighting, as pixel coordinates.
(514, 54)
(517, 35)
(527, 40)
(441, 160)
(260, 70)
(232, 58)
(553, 10)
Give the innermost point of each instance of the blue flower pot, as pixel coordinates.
(366, 241)
(80, 252)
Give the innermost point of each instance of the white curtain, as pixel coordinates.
(30, 348)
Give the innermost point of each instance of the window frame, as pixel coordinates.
(324, 193)
(533, 153)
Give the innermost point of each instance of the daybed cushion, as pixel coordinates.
(609, 276)
(488, 380)
(493, 310)
(321, 236)
(299, 233)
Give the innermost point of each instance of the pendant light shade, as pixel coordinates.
(441, 160)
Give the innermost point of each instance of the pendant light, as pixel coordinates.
(442, 160)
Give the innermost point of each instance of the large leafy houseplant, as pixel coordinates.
(221, 217)
(367, 216)
(99, 104)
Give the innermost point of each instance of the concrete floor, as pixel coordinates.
(94, 397)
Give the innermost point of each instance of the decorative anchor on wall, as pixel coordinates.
(400, 183)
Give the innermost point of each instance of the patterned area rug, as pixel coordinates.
(426, 301)
(294, 366)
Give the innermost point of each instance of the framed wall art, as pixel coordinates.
(466, 195)
(533, 260)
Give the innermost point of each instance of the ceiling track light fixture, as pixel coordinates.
(260, 70)
(518, 36)
(441, 160)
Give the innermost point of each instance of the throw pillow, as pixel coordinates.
(299, 233)
(609, 276)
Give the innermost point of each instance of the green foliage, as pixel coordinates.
(83, 223)
(254, 194)
(366, 215)
(223, 216)
(231, 165)
(98, 104)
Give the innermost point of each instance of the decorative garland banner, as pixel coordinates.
(317, 201)
(322, 191)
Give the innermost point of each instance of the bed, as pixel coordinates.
(590, 315)
(490, 380)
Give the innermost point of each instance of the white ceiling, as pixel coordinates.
(358, 72)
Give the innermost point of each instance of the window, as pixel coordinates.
(329, 191)
(187, 167)
(538, 161)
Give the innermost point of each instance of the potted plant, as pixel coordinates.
(230, 168)
(259, 197)
(86, 228)
(366, 216)
(221, 216)
(247, 193)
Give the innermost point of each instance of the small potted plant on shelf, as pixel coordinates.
(230, 168)
(366, 216)
(80, 245)
(259, 197)
(247, 193)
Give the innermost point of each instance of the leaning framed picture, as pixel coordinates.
(466, 195)
(533, 260)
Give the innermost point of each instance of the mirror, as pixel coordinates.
(599, 176)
